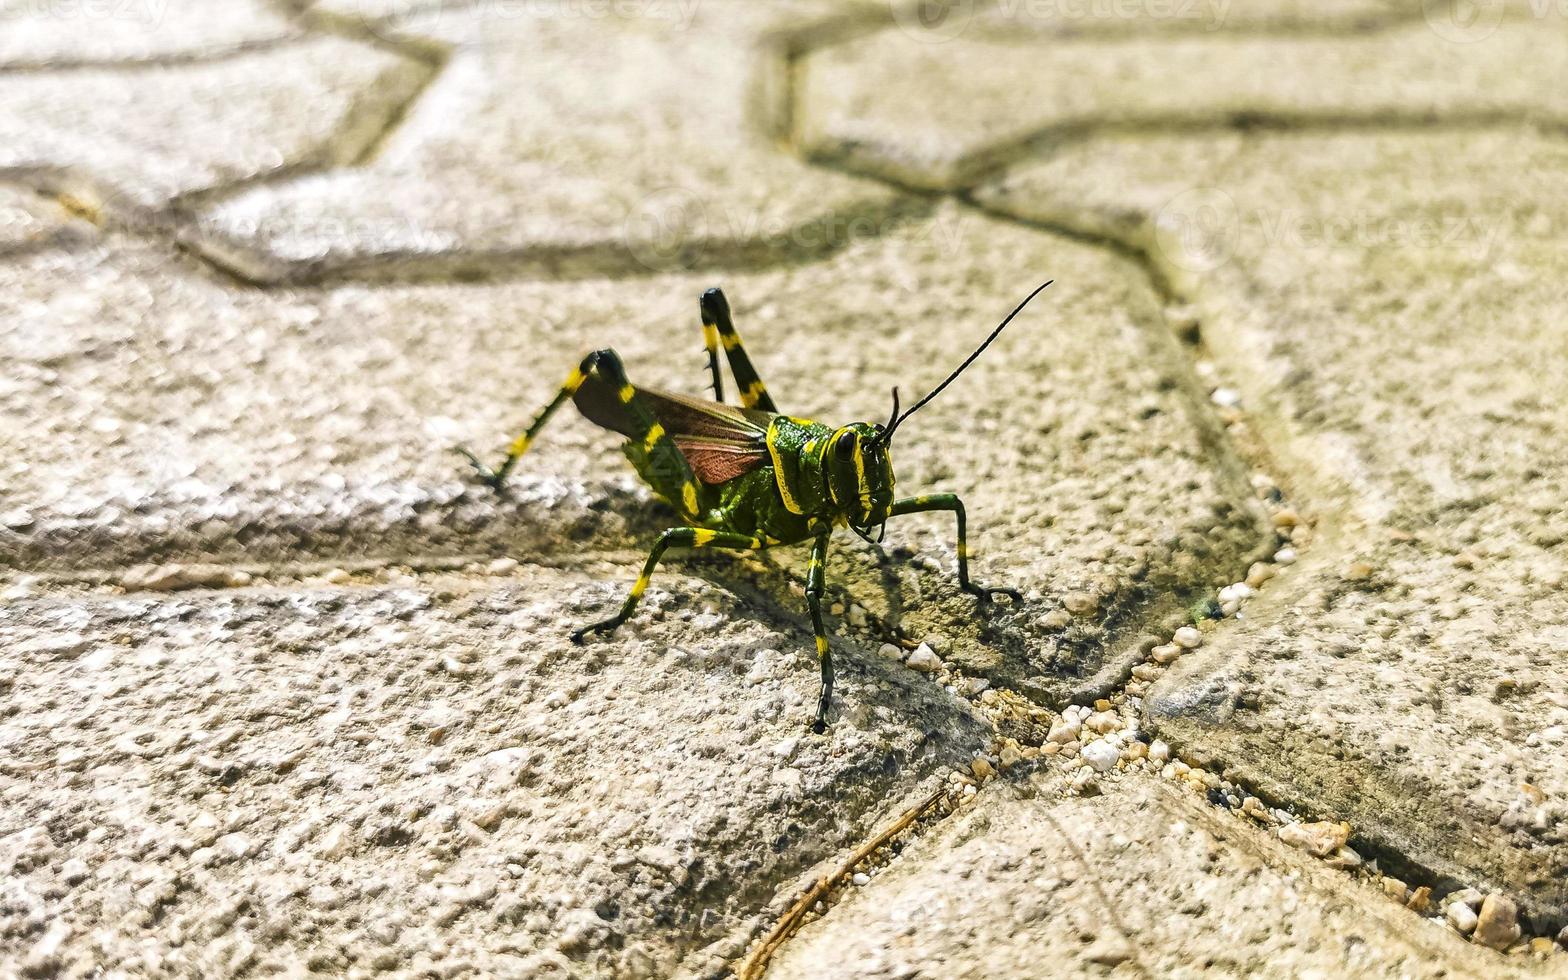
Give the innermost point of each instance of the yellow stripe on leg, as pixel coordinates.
(701, 536)
(640, 586)
(963, 550)
(710, 336)
(518, 446)
(627, 393)
(822, 646)
(689, 496)
(575, 381)
(752, 394)
(652, 438)
(731, 341)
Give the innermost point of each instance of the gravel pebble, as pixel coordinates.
(1064, 731)
(924, 660)
(1461, 917)
(1188, 638)
(1498, 924)
(1102, 754)
(1420, 900)
(1320, 839)
(891, 651)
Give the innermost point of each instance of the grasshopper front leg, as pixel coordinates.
(496, 478)
(950, 501)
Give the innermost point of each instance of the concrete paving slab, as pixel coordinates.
(1391, 302)
(58, 33)
(596, 138)
(127, 139)
(968, 107)
(425, 776)
(1146, 881)
(29, 221)
(315, 426)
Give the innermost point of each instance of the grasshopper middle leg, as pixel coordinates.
(675, 537)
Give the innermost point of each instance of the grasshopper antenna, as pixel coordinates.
(897, 419)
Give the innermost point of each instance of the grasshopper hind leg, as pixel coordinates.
(719, 330)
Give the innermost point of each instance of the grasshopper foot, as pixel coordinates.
(986, 596)
(604, 628)
(494, 479)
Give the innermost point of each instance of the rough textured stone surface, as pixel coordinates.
(1145, 881)
(129, 139)
(561, 142)
(29, 222)
(426, 776)
(966, 106)
(1396, 308)
(288, 693)
(56, 33)
(188, 441)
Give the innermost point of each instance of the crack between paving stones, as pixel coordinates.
(216, 54)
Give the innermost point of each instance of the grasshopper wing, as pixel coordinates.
(720, 441)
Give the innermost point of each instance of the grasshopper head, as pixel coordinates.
(859, 469)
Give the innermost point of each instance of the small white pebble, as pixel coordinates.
(1462, 917)
(924, 660)
(1159, 751)
(891, 651)
(1285, 556)
(861, 878)
(1188, 637)
(1226, 397)
(1102, 754)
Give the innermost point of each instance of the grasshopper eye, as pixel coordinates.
(845, 447)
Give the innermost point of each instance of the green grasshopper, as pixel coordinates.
(749, 477)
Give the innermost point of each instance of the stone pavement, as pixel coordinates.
(1276, 463)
